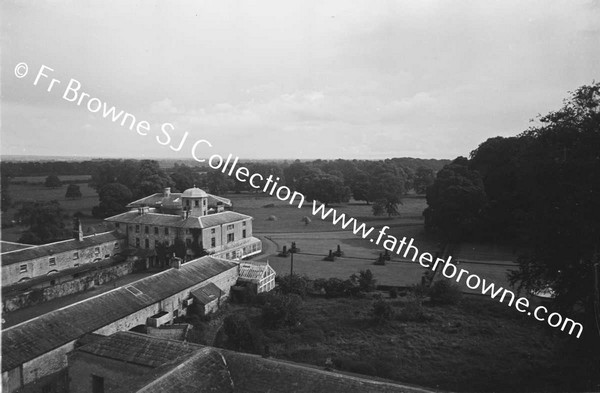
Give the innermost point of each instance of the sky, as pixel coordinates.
(287, 79)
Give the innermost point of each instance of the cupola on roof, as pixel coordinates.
(194, 193)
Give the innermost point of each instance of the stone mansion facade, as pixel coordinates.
(195, 217)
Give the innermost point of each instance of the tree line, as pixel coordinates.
(539, 190)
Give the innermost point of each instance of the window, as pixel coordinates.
(230, 227)
(117, 245)
(204, 202)
(244, 233)
(188, 242)
(167, 243)
(166, 231)
(106, 256)
(146, 229)
(196, 203)
(187, 231)
(213, 242)
(52, 261)
(243, 223)
(156, 230)
(137, 229)
(137, 241)
(187, 202)
(212, 230)
(147, 243)
(230, 237)
(47, 388)
(23, 269)
(97, 250)
(76, 255)
(75, 265)
(117, 225)
(97, 384)
(155, 243)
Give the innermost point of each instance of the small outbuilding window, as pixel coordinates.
(23, 269)
(52, 261)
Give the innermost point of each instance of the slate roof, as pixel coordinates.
(47, 250)
(11, 246)
(33, 338)
(173, 221)
(254, 374)
(174, 200)
(140, 349)
(207, 293)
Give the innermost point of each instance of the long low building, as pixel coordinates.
(34, 353)
(26, 263)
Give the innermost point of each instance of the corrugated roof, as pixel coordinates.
(207, 293)
(174, 221)
(47, 250)
(28, 340)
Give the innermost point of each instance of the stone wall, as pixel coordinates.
(87, 280)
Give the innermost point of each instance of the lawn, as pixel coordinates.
(28, 190)
(475, 346)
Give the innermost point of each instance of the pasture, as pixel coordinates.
(31, 189)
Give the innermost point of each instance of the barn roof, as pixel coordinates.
(47, 250)
(33, 338)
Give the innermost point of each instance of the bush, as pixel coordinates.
(280, 310)
(445, 292)
(293, 284)
(365, 280)
(413, 312)
(241, 336)
(382, 311)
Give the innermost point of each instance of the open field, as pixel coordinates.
(289, 217)
(475, 346)
(31, 192)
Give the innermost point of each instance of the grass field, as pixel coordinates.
(29, 191)
(475, 346)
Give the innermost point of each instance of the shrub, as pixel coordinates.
(365, 280)
(393, 293)
(282, 310)
(445, 292)
(293, 284)
(240, 334)
(382, 311)
(413, 312)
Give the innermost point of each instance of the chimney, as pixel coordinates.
(77, 230)
(177, 263)
(167, 192)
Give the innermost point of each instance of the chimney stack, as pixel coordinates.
(167, 192)
(77, 230)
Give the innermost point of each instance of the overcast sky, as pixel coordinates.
(291, 79)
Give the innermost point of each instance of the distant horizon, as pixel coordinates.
(34, 157)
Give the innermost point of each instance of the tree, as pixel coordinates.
(179, 248)
(559, 175)
(52, 181)
(360, 187)
(325, 188)
(365, 280)
(73, 192)
(240, 334)
(218, 182)
(113, 199)
(45, 221)
(280, 310)
(455, 201)
(424, 177)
